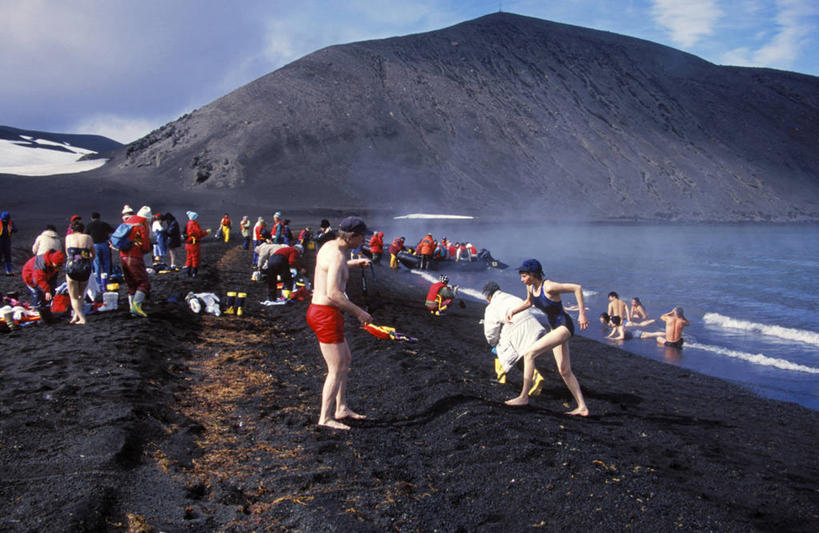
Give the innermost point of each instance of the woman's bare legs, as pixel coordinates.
(547, 342)
(564, 366)
(76, 292)
(338, 358)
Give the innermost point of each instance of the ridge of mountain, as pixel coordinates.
(503, 115)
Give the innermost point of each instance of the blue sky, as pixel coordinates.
(123, 68)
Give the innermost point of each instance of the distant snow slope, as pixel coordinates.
(31, 156)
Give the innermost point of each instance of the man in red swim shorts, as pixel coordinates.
(325, 318)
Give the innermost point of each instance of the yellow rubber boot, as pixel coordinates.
(499, 371)
(538, 384)
(240, 301)
(231, 301)
(286, 294)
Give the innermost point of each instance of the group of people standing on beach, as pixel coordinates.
(89, 251)
(509, 325)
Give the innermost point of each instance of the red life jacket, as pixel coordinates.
(396, 246)
(426, 246)
(377, 243)
(432, 294)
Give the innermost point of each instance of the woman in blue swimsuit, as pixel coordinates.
(545, 295)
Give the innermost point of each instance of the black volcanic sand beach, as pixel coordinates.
(184, 422)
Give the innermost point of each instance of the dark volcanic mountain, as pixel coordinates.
(97, 143)
(503, 114)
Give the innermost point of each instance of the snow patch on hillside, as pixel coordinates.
(41, 157)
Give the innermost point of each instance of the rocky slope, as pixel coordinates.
(503, 114)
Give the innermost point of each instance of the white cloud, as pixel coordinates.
(792, 36)
(794, 32)
(121, 129)
(687, 21)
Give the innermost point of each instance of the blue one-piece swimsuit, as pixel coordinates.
(556, 315)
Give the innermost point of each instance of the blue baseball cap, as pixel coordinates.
(531, 265)
(353, 225)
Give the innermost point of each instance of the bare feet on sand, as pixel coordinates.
(520, 400)
(584, 411)
(348, 413)
(334, 424)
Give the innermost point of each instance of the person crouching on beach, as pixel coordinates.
(509, 340)
(545, 295)
(439, 296)
(39, 275)
(325, 319)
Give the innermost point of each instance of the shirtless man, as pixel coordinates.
(675, 321)
(325, 318)
(618, 307)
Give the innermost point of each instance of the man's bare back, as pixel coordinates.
(673, 328)
(619, 308)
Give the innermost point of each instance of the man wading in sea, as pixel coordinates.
(325, 318)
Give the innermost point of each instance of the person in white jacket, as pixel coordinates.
(510, 340)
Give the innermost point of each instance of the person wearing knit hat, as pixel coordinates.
(278, 228)
(127, 211)
(68, 230)
(40, 275)
(194, 235)
(545, 295)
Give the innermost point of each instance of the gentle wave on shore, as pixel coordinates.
(770, 330)
(755, 358)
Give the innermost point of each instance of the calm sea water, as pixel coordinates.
(750, 291)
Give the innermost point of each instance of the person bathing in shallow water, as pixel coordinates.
(639, 316)
(675, 321)
(325, 319)
(545, 295)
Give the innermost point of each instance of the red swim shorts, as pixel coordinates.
(327, 322)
